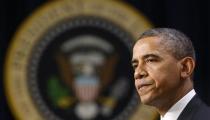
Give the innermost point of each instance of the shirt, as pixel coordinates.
(174, 112)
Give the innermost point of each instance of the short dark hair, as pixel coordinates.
(175, 41)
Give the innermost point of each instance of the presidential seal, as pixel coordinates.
(70, 60)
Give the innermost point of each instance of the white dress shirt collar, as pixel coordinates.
(174, 112)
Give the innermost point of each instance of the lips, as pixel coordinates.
(143, 87)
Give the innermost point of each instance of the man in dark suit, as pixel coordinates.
(163, 62)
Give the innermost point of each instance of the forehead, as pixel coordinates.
(149, 45)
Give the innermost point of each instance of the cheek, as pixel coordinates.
(164, 75)
(136, 82)
(155, 74)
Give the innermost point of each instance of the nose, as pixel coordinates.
(140, 73)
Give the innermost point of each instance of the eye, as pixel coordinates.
(134, 66)
(150, 60)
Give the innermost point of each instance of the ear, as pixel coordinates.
(187, 67)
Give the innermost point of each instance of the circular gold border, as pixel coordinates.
(38, 23)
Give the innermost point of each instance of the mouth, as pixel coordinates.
(144, 88)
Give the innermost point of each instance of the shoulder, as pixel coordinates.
(196, 109)
(202, 111)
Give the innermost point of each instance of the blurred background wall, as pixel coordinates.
(189, 16)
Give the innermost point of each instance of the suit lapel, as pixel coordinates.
(190, 109)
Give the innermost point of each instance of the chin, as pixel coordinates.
(150, 101)
(147, 100)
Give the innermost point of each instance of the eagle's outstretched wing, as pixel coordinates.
(65, 69)
(108, 69)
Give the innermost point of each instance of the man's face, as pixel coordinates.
(156, 71)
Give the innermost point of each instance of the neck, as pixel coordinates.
(170, 101)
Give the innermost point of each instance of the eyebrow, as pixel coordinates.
(134, 61)
(154, 55)
(151, 55)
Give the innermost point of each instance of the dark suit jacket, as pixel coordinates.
(195, 110)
